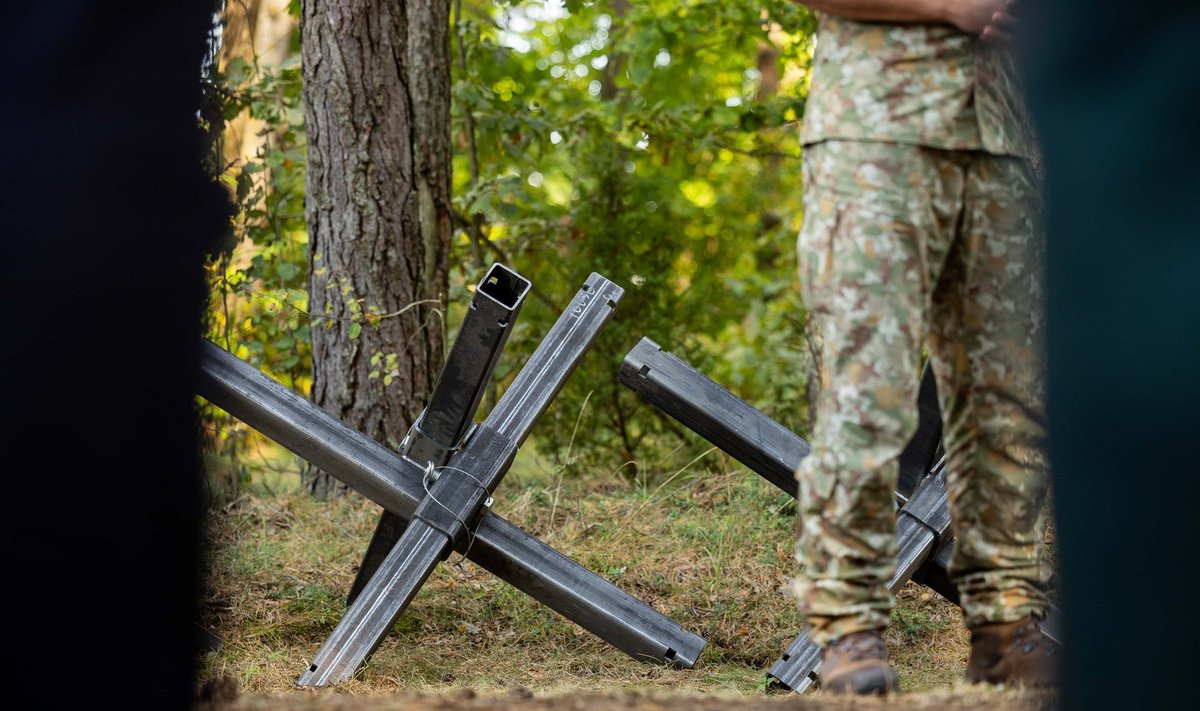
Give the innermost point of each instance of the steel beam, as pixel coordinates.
(700, 404)
(395, 483)
(455, 498)
(925, 447)
(460, 386)
(774, 452)
(439, 524)
(442, 428)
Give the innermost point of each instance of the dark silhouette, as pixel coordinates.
(107, 213)
(1117, 102)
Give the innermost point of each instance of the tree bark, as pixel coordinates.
(377, 112)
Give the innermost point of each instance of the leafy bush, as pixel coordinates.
(652, 142)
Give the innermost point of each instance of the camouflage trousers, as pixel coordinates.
(904, 246)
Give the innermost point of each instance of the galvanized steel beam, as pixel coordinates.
(397, 484)
(444, 425)
(774, 452)
(457, 493)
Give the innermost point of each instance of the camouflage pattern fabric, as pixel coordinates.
(901, 246)
(922, 84)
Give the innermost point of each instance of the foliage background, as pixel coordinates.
(654, 142)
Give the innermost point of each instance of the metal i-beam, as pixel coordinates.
(774, 452)
(741, 431)
(308, 431)
(737, 428)
(444, 425)
(454, 500)
(426, 541)
(395, 483)
(490, 316)
(925, 448)
(499, 547)
(714, 413)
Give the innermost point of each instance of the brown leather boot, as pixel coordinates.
(1012, 653)
(857, 664)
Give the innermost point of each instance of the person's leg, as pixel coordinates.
(865, 271)
(987, 331)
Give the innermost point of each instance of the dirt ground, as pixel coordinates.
(222, 696)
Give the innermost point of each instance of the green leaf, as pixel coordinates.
(752, 120)
(244, 183)
(639, 72)
(288, 271)
(238, 71)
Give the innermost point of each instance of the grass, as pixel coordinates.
(712, 548)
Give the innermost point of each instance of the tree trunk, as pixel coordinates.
(377, 112)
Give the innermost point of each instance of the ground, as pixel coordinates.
(704, 541)
(524, 700)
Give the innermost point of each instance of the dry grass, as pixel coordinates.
(712, 549)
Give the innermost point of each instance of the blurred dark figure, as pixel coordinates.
(107, 213)
(1115, 89)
